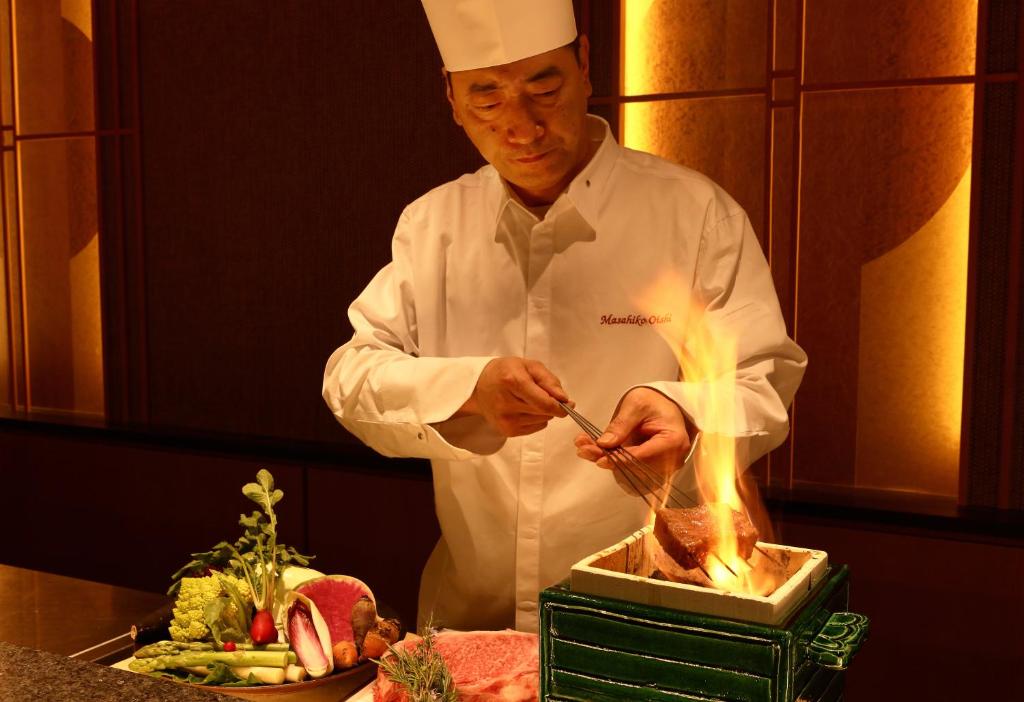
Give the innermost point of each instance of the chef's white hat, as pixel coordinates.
(481, 33)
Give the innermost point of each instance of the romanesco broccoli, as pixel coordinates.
(195, 593)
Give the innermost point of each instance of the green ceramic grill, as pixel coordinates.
(644, 643)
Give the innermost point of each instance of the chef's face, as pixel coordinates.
(527, 118)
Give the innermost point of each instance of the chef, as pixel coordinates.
(518, 286)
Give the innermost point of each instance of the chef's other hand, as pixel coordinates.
(647, 423)
(516, 396)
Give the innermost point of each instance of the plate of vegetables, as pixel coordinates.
(253, 620)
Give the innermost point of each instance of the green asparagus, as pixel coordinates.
(190, 659)
(169, 648)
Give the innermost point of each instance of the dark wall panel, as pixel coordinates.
(945, 614)
(378, 528)
(280, 141)
(130, 514)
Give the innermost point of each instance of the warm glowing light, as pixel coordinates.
(636, 76)
(914, 297)
(79, 14)
(86, 327)
(707, 361)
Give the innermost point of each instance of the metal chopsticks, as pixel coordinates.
(648, 478)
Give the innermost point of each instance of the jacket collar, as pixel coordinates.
(586, 192)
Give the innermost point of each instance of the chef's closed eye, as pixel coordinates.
(547, 92)
(485, 103)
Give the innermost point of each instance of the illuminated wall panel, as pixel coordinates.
(860, 198)
(882, 285)
(713, 136)
(10, 295)
(785, 35)
(59, 230)
(853, 40)
(911, 355)
(780, 252)
(53, 41)
(5, 329)
(52, 356)
(686, 45)
(6, 120)
(6, 89)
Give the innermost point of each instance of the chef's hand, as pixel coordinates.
(516, 396)
(647, 423)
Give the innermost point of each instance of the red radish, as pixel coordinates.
(262, 630)
(229, 646)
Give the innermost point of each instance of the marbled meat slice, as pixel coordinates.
(688, 534)
(487, 666)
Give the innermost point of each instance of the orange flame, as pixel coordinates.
(707, 362)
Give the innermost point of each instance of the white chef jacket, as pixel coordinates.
(474, 276)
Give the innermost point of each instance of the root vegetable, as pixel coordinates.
(263, 630)
(374, 645)
(364, 616)
(268, 676)
(295, 673)
(345, 654)
(383, 634)
(389, 630)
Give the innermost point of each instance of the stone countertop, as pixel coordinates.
(27, 675)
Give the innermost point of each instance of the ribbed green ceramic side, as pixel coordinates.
(742, 652)
(665, 674)
(583, 688)
(595, 648)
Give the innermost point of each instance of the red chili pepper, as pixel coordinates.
(229, 646)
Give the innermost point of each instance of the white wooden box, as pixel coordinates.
(621, 571)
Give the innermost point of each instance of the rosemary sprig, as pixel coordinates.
(421, 671)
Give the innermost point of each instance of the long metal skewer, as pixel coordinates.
(618, 462)
(673, 493)
(592, 429)
(616, 458)
(621, 458)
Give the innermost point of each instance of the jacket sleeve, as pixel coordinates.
(735, 295)
(380, 388)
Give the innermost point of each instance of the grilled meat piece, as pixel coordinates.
(688, 535)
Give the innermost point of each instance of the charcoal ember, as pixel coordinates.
(687, 535)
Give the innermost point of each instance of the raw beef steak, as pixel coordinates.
(487, 666)
(687, 535)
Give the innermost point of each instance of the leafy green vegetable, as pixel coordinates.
(229, 616)
(220, 674)
(261, 575)
(196, 596)
(257, 545)
(215, 594)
